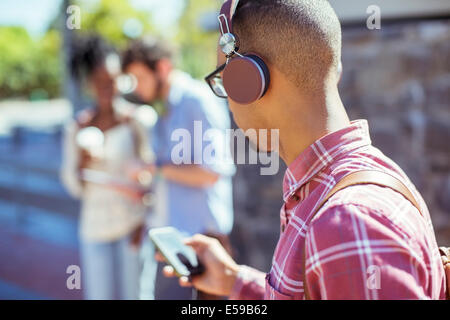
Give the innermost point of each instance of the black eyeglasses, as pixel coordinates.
(215, 82)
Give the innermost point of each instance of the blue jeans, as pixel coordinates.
(110, 270)
(149, 271)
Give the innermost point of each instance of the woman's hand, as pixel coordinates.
(137, 236)
(87, 159)
(138, 171)
(220, 269)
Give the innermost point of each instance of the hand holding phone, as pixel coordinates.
(220, 270)
(169, 242)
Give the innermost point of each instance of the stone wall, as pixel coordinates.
(399, 79)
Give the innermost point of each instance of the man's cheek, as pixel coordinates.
(144, 91)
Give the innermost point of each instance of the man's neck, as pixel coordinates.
(320, 117)
(165, 89)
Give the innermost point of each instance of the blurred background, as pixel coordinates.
(397, 77)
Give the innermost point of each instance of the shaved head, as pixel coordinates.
(301, 38)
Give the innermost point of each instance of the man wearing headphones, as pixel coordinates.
(353, 226)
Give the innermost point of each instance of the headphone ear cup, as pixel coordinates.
(264, 68)
(246, 79)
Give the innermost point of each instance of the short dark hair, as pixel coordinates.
(88, 52)
(302, 38)
(148, 50)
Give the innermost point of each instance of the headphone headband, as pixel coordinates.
(226, 15)
(228, 41)
(246, 78)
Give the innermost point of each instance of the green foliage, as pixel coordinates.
(109, 17)
(33, 68)
(28, 65)
(198, 48)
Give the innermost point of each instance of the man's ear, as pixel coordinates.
(164, 67)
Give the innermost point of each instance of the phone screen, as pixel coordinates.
(181, 257)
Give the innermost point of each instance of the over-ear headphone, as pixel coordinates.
(246, 77)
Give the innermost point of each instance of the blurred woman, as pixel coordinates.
(98, 146)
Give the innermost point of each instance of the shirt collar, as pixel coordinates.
(323, 152)
(179, 82)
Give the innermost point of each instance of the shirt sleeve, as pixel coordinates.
(249, 285)
(354, 252)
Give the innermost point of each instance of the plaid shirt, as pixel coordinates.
(366, 242)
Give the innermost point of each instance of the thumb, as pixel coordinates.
(198, 241)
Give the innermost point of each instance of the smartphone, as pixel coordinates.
(181, 257)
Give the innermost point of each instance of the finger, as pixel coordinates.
(184, 282)
(169, 272)
(198, 240)
(159, 257)
(152, 169)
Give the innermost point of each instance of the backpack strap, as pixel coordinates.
(445, 256)
(378, 178)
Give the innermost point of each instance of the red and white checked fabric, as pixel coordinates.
(366, 242)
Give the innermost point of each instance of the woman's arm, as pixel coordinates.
(71, 161)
